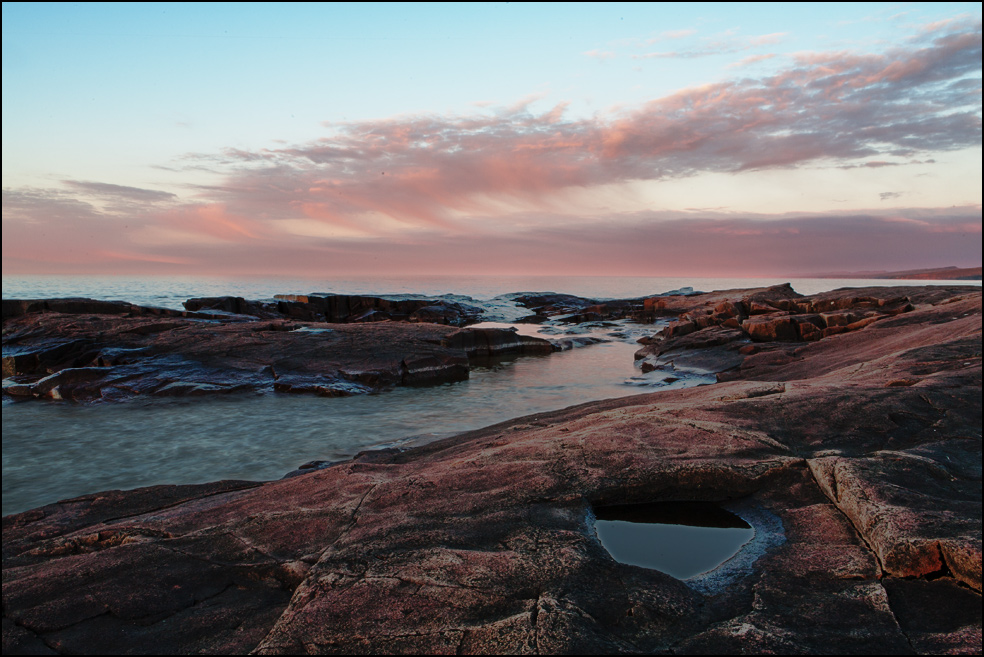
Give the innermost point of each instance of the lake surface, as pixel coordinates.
(54, 450)
(170, 291)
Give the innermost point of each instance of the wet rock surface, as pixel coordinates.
(85, 350)
(865, 445)
(345, 308)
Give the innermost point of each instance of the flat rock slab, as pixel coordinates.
(84, 357)
(484, 543)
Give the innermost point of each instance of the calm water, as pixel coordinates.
(169, 292)
(56, 450)
(682, 539)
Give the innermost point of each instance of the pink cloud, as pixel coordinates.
(398, 188)
(214, 220)
(144, 258)
(422, 169)
(751, 59)
(699, 243)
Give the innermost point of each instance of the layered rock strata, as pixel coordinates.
(86, 350)
(865, 447)
(345, 308)
(732, 332)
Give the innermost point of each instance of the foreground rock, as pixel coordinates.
(864, 447)
(87, 350)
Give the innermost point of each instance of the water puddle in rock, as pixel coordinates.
(682, 539)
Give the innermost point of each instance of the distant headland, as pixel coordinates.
(935, 274)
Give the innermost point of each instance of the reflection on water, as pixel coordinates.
(682, 539)
(54, 450)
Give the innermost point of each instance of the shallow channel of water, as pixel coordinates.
(54, 450)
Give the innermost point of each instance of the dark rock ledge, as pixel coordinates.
(866, 445)
(85, 350)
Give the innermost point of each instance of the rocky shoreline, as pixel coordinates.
(87, 350)
(853, 417)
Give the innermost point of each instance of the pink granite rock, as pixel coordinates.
(866, 495)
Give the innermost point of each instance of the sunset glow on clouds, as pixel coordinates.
(788, 161)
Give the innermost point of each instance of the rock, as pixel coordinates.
(730, 303)
(761, 308)
(435, 315)
(234, 305)
(679, 329)
(557, 303)
(193, 389)
(71, 383)
(840, 318)
(484, 542)
(533, 319)
(116, 357)
(712, 350)
(904, 523)
(935, 615)
(321, 385)
(566, 344)
(44, 358)
(773, 327)
(809, 327)
(487, 342)
(356, 308)
(431, 370)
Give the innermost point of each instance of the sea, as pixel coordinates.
(59, 450)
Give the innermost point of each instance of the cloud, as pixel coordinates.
(600, 54)
(700, 242)
(720, 46)
(29, 205)
(751, 59)
(875, 164)
(841, 109)
(51, 228)
(499, 189)
(119, 191)
(660, 55)
(887, 196)
(767, 39)
(673, 34)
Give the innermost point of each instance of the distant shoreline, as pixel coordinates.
(937, 274)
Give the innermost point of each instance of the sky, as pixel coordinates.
(697, 139)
